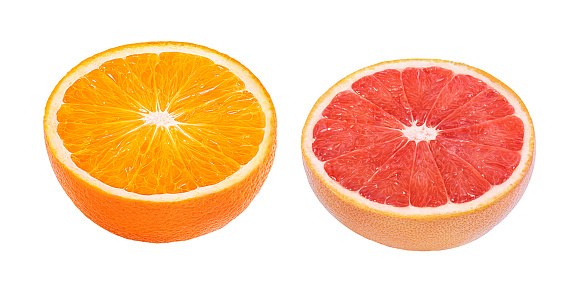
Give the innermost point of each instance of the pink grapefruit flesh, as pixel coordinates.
(419, 137)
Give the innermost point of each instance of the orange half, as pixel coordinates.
(160, 141)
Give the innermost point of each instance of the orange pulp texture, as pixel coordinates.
(160, 123)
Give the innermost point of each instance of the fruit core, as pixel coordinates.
(420, 133)
(160, 118)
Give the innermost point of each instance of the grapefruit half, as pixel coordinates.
(419, 154)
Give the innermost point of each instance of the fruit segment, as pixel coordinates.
(237, 143)
(463, 183)
(422, 87)
(160, 123)
(184, 80)
(354, 169)
(391, 183)
(120, 74)
(237, 109)
(419, 137)
(334, 138)
(507, 132)
(350, 107)
(385, 90)
(460, 90)
(98, 89)
(486, 106)
(426, 183)
(494, 163)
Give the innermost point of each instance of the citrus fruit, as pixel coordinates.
(160, 141)
(419, 154)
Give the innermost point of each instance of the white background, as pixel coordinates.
(286, 245)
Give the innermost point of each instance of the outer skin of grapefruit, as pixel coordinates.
(430, 233)
(416, 231)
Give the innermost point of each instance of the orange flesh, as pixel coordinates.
(160, 123)
(419, 137)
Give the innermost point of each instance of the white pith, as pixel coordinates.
(159, 118)
(415, 133)
(420, 133)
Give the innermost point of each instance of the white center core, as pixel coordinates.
(160, 118)
(420, 133)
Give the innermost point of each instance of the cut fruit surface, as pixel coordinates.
(415, 143)
(160, 141)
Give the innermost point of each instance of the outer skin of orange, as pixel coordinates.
(160, 222)
(169, 221)
(420, 233)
